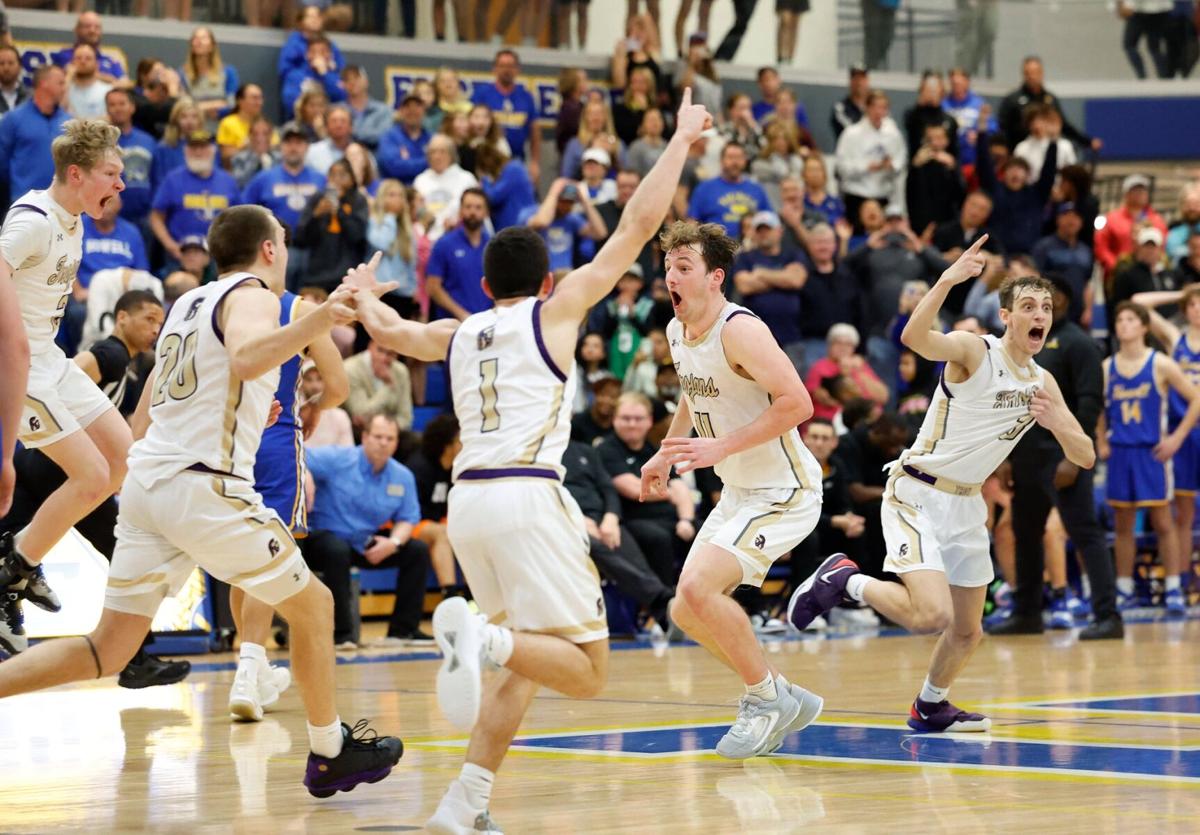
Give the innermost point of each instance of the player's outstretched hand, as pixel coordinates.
(687, 454)
(970, 264)
(363, 277)
(655, 474)
(273, 415)
(339, 307)
(693, 119)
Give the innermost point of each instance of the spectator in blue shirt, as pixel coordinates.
(372, 118)
(358, 491)
(185, 118)
(1065, 254)
(109, 242)
(770, 279)
(455, 268)
(730, 197)
(190, 197)
(137, 152)
(769, 84)
(27, 131)
(294, 55)
(563, 227)
(89, 30)
(320, 69)
(401, 152)
(965, 106)
(286, 188)
(514, 109)
(507, 185)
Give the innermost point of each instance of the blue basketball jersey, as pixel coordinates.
(1135, 407)
(279, 466)
(1189, 361)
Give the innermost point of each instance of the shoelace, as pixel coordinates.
(363, 734)
(741, 725)
(13, 613)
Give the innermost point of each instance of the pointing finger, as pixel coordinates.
(975, 247)
(686, 101)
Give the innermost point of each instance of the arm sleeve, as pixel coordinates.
(111, 360)
(611, 460)
(232, 81)
(25, 238)
(1045, 183)
(436, 266)
(322, 461)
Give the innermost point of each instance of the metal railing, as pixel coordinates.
(924, 36)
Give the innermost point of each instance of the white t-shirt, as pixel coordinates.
(1033, 151)
(87, 101)
(106, 288)
(442, 193)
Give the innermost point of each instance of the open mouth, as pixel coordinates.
(1036, 334)
(676, 299)
(104, 201)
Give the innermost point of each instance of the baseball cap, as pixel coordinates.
(893, 210)
(199, 137)
(1134, 181)
(1150, 235)
(766, 219)
(635, 270)
(1068, 206)
(857, 69)
(291, 129)
(569, 192)
(193, 242)
(598, 155)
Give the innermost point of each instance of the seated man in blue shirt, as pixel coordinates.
(730, 197)
(770, 278)
(359, 490)
(563, 227)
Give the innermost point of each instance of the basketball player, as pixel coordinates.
(1136, 379)
(14, 360)
(65, 415)
(189, 497)
(1186, 463)
(279, 478)
(744, 398)
(517, 533)
(934, 518)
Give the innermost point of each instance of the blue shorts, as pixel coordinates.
(279, 478)
(1135, 479)
(1186, 464)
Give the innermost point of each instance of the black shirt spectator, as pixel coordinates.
(1032, 91)
(934, 189)
(953, 236)
(892, 256)
(333, 228)
(1017, 205)
(863, 453)
(591, 426)
(433, 485)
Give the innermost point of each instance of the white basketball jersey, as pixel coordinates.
(50, 254)
(723, 401)
(972, 426)
(201, 413)
(512, 401)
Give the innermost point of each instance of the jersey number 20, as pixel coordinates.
(177, 368)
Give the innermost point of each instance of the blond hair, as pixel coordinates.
(83, 143)
(172, 135)
(216, 68)
(402, 244)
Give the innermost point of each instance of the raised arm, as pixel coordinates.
(254, 341)
(329, 364)
(1162, 328)
(958, 347)
(1050, 411)
(641, 219)
(428, 343)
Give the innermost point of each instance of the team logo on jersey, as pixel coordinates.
(34, 424)
(904, 550)
(1014, 399)
(695, 387)
(64, 273)
(760, 542)
(273, 546)
(600, 607)
(485, 339)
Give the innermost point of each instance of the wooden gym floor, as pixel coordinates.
(1087, 738)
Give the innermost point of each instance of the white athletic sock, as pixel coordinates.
(326, 741)
(497, 643)
(253, 654)
(929, 693)
(1125, 585)
(1172, 582)
(1085, 587)
(781, 683)
(857, 585)
(477, 783)
(764, 690)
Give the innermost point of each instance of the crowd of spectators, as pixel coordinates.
(838, 247)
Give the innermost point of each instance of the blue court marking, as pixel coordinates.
(1178, 703)
(896, 746)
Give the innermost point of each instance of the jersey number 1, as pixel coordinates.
(177, 371)
(487, 393)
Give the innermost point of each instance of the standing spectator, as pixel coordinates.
(1145, 273)
(770, 279)
(110, 242)
(740, 127)
(928, 111)
(595, 131)
(379, 385)
(600, 187)
(286, 188)
(294, 59)
(338, 136)
(457, 126)
(260, 153)
(12, 89)
(507, 185)
(1182, 47)
(934, 190)
(402, 149)
(155, 95)
(1187, 224)
(452, 276)
(137, 152)
(442, 184)
(233, 133)
(701, 31)
(484, 129)
(1065, 255)
(333, 228)
(975, 32)
(85, 89)
(358, 491)
(953, 236)
(700, 73)
(1074, 186)
(514, 109)
(966, 107)
(638, 97)
(562, 226)
(779, 158)
(769, 87)
(572, 87)
(1146, 19)
(370, 117)
(871, 157)
(390, 231)
(743, 10)
(1187, 271)
(1033, 91)
(186, 118)
(731, 196)
(209, 81)
(788, 14)
(850, 110)
(649, 145)
(89, 30)
(639, 48)
(829, 296)
(581, 23)
(320, 72)
(1045, 128)
(797, 217)
(1017, 201)
(622, 320)
(879, 27)
(659, 525)
(1115, 239)
(190, 197)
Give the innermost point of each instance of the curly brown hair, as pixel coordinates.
(714, 245)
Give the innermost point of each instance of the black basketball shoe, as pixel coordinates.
(12, 623)
(146, 670)
(366, 758)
